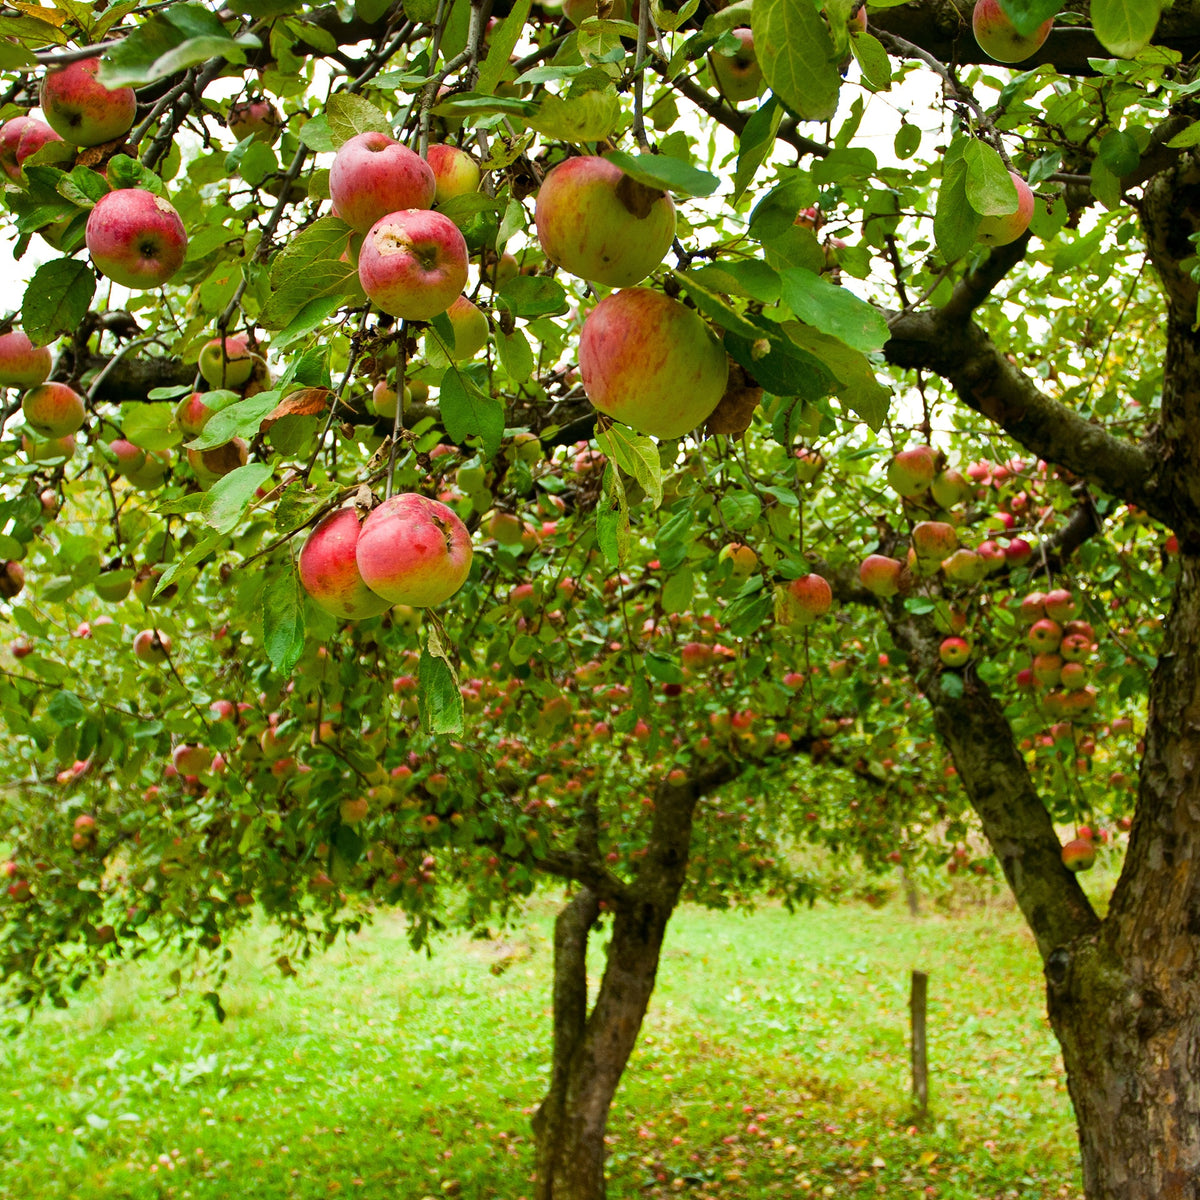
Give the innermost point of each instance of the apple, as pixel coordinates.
(965, 566)
(385, 398)
(954, 651)
(53, 410)
(136, 238)
(258, 119)
(1075, 647)
(949, 488)
(998, 37)
(413, 264)
(12, 579)
(596, 222)
(210, 465)
(1047, 669)
(374, 175)
(83, 111)
(911, 472)
(151, 646)
(22, 364)
(113, 586)
(38, 451)
(1017, 551)
(738, 76)
(802, 601)
(880, 575)
(741, 558)
(1060, 605)
(192, 413)
(455, 172)
(329, 570)
(470, 330)
(651, 362)
(1001, 229)
(231, 368)
(1044, 636)
(19, 138)
(354, 811)
(191, 760)
(933, 542)
(413, 550)
(1079, 854)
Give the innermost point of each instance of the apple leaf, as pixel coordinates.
(238, 420)
(121, 171)
(754, 144)
(57, 299)
(873, 61)
(516, 356)
(178, 37)
(955, 222)
(439, 701)
(283, 616)
(198, 551)
(309, 268)
(502, 42)
(349, 115)
(663, 171)
(152, 426)
(794, 47)
(990, 189)
(468, 411)
(636, 455)
(533, 296)
(833, 310)
(1028, 15)
(587, 118)
(612, 518)
(713, 307)
(857, 387)
(1123, 27)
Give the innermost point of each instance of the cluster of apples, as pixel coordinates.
(1062, 647)
(53, 412)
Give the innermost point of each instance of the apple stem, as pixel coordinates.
(398, 423)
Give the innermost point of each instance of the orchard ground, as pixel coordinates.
(774, 1061)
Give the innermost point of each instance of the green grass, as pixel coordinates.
(774, 1061)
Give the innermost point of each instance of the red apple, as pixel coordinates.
(413, 550)
(1044, 636)
(374, 175)
(880, 574)
(933, 542)
(413, 264)
(455, 172)
(12, 579)
(136, 238)
(192, 413)
(329, 570)
(151, 646)
(596, 222)
(1001, 229)
(85, 112)
(803, 600)
(22, 364)
(998, 37)
(651, 362)
(53, 409)
(19, 138)
(1079, 854)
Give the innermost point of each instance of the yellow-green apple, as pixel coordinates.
(151, 646)
(1074, 676)
(12, 579)
(1003, 228)
(354, 811)
(258, 119)
(455, 172)
(39, 451)
(135, 238)
(373, 175)
(964, 566)
(1079, 854)
(880, 574)
(192, 413)
(470, 330)
(802, 601)
(1047, 669)
(741, 558)
(651, 362)
(230, 367)
(209, 465)
(22, 364)
(998, 37)
(413, 264)
(384, 399)
(954, 651)
(191, 760)
(82, 110)
(113, 585)
(329, 571)
(19, 138)
(949, 488)
(912, 471)
(596, 222)
(738, 76)
(413, 550)
(53, 409)
(933, 542)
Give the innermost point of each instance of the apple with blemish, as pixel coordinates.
(210, 465)
(257, 119)
(741, 558)
(598, 223)
(82, 110)
(151, 646)
(413, 264)
(802, 601)
(136, 238)
(374, 175)
(739, 75)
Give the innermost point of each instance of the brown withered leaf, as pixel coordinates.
(734, 413)
(307, 402)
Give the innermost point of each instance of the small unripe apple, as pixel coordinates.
(413, 264)
(455, 172)
(22, 364)
(741, 558)
(596, 222)
(53, 410)
(83, 111)
(470, 330)
(998, 37)
(949, 488)
(1002, 229)
(151, 646)
(136, 238)
(329, 569)
(19, 138)
(373, 175)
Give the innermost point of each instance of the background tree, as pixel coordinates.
(665, 660)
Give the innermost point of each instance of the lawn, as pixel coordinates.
(774, 1061)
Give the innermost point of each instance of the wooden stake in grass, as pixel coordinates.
(920, 1066)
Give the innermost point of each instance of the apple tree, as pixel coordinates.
(454, 444)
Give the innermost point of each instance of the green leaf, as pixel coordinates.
(468, 411)
(873, 61)
(666, 173)
(754, 144)
(349, 114)
(225, 503)
(311, 317)
(178, 37)
(83, 187)
(533, 296)
(712, 306)
(57, 299)
(238, 420)
(439, 702)
(65, 708)
(283, 616)
(1123, 27)
(857, 387)
(371, 11)
(587, 118)
(908, 140)
(501, 44)
(317, 136)
(955, 222)
(1119, 152)
(833, 310)
(990, 189)
(636, 455)
(1189, 137)
(151, 426)
(308, 268)
(1028, 15)
(677, 591)
(125, 172)
(796, 52)
(516, 355)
